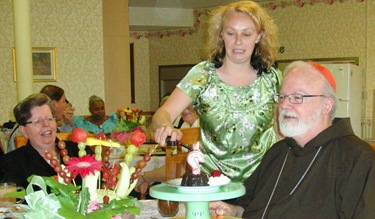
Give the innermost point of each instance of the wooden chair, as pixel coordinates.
(19, 141)
(372, 145)
(174, 163)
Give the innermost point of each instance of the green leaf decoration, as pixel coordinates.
(68, 201)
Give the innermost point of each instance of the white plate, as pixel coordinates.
(177, 183)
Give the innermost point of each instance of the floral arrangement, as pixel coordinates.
(105, 187)
(129, 121)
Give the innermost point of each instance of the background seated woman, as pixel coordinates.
(98, 119)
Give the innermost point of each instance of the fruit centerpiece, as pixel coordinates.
(105, 187)
(130, 121)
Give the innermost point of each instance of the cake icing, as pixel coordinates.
(218, 180)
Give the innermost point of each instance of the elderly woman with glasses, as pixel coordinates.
(36, 117)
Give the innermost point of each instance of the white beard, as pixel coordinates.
(289, 129)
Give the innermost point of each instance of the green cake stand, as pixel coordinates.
(197, 198)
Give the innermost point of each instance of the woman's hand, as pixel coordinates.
(222, 208)
(142, 186)
(163, 132)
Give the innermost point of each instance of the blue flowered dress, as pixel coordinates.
(237, 126)
(108, 125)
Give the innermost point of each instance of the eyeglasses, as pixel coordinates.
(39, 122)
(294, 98)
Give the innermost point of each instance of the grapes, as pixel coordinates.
(109, 176)
(141, 164)
(66, 158)
(61, 144)
(132, 149)
(57, 168)
(81, 153)
(135, 175)
(105, 159)
(54, 162)
(98, 153)
(98, 157)
(62, 174)
(48, 155)
(98, 149)
(67, 180)
(107, 151)
(82, 145)
(106, 199)
(147, 157)
(128, 158)
(138, 170)
(63, 152)
(106, 164)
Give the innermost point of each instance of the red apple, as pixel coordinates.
(101, 136)
(138, 138)
(79, 135)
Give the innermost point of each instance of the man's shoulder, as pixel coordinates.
(276, 149)
(353, 145)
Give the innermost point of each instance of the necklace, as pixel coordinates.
(56, 164)
(298, 183)
(64, 157)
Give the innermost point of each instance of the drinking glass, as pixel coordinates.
(168, 208)
(6, 187)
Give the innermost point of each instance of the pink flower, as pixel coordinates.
(83, 165)
(94, 206)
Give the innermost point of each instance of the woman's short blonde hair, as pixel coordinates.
(265, 52)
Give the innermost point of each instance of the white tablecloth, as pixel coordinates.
(149, 210)
(5, 213)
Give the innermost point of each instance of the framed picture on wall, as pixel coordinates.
(44, 64)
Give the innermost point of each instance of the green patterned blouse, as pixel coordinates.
(236, 122)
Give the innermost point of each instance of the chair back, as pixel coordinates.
(20, 141)
(372, 145)
(174, 163)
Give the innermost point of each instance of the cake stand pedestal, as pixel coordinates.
(197, 198)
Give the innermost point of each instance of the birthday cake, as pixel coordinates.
(190, 179)
(195, 177)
